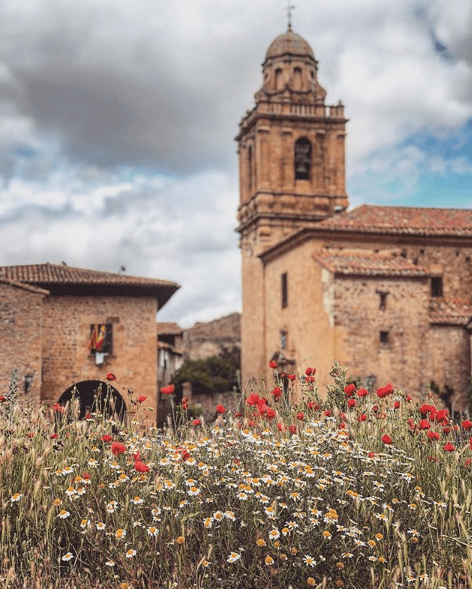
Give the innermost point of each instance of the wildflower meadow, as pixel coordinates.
(359, 489)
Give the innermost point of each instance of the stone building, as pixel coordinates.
(62, 326)
(383, 290)
(169, 351)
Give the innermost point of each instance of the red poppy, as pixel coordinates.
(397, 404)
(466, 424)
(300, 415)
(142, 398)
(197, 422)
(350, 389)
(432, 435)
(141, 467)
(273, 364)
(253, 399)
(185, 455)
(310, 378)
(2, 399)
(168, 390)
(238, 414)
(111, 376)
(86, 476)
(291, 377)
(277, 392)
(351, 403)
(106, 438)
(449, 447)
(220, 409)
(409, 399)
(88, 416)
(117, 448)
(309, 371)
(385, 391)
(327, 413)
(371, 455)
(468, 461)
(386, 439)
(362, 417)
(342, 425)
(313, 405)
(441, 416)
(424, 424)
(270, 413)
(293, 429)
(137, 457)
(53, 436)
(58, 407)
(281, 427)
(362, 393)
(433, 458)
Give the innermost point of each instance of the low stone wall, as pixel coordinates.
(208, 403)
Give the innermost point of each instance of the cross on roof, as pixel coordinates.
(290, 7)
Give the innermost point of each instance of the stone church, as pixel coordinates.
(386, 291)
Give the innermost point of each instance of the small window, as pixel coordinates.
(284, 289)
(283, 340)
(302, 159)
(278, 79)
(436, 286)
(249, 167)
(383, 301)
(101, 338)
(384, 337)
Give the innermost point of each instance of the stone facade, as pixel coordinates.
(47, 333)
(385, 291)
(20, 333)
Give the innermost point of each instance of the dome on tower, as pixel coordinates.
(289, 43)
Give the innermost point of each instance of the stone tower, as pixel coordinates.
(291, 173)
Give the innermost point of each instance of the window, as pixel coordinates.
(384, 337)
(302, 159)
(383, 301)
(278, 79)
(283, 340)
(101, 338)
(436, 286)
(284, 289)
(249, 167)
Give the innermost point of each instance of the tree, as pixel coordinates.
(211, 375)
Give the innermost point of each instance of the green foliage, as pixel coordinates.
(211, 375)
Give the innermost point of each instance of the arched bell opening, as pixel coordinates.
(96, 396)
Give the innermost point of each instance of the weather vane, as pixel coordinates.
(290, 7)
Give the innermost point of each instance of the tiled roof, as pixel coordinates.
(23, 286)
(62, 279)
(403, 220)
(450, 311)
(168, 328)
(367, 263)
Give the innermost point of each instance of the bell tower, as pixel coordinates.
(291, 172)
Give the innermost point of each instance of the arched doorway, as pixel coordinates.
(96, 395)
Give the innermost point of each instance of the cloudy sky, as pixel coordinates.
(118, 118)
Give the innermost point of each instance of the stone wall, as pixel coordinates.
(67, 359)
(403, 358)
(20, 336)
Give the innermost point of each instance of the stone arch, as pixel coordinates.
(88, 392)
(302, 158)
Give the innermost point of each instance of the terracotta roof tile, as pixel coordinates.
(404, 220)
(450, 311)
(23, 286)
(62, 274)
(62, 279)
(367, 263)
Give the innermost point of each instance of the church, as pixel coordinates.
(383, 290)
